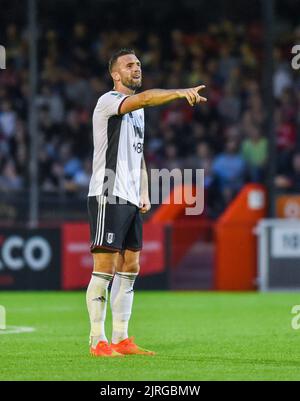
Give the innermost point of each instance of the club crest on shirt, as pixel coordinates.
(110, 237)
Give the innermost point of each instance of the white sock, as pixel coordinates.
(96, 299)
(121, 299)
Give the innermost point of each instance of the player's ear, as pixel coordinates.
(115, 76)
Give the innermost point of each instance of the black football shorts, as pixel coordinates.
(114, 226)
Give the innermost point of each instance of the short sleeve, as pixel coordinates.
(110, 103)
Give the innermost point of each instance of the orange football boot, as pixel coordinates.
(128, 347)
(105, 350)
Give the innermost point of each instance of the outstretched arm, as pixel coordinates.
(157, 97)
(145, 200)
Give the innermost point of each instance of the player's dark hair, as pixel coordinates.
(116, 55)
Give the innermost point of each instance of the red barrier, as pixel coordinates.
(77, 261)
(185, 234)
(236, 261)
(152, 256)
(171, 209)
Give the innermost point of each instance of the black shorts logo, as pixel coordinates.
(110, 237)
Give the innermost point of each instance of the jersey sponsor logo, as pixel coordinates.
(138, 132)
(138, 147)
(110, 237)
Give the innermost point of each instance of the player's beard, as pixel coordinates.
(132, 84)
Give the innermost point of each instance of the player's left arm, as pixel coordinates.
(145, 199)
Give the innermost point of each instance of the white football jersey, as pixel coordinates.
(118, 149)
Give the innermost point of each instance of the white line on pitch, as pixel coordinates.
(17, 330)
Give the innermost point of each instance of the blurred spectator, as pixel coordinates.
(282, 79)
(73, 74)
(229, 106)
(53, 102)
(170, 157)
(71, 164)
(82, 177)
(255, 152)
(229, 170)
(9, 178)
(291, 181)
(8, 119)
(286, 133)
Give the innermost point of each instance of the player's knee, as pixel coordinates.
(131, 262)
(131, 267)
(104, 263)
(98, 268)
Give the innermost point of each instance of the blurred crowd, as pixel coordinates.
(226, 136)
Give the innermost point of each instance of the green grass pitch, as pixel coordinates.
(197, 336)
